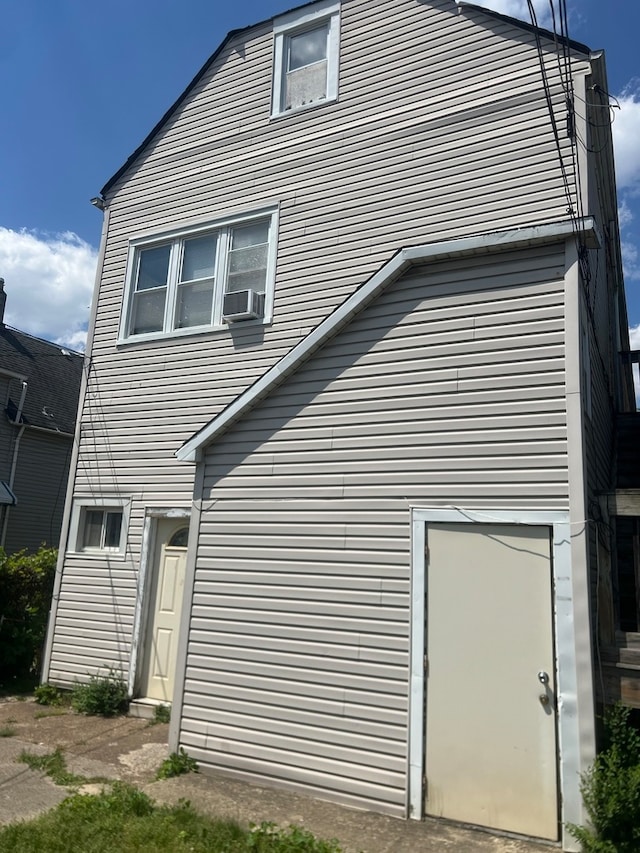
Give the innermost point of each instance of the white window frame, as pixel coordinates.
(296, 23)
(176, 237)
(76, 530)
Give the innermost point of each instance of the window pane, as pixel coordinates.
(253, 280)
(148, 311)
(194, 306)
(250, 235)
(180, 538)
(248, 257)
(92, 533)
(199, 258)
(113, 526)
(153, 268)
(252, 258)
(306, 86)
(306, 48)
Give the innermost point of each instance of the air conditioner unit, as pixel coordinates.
(242, 305)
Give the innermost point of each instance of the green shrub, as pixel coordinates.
(611, 790)
(26, 584)
(177, 764)
(47, 694)
(161, 714)
(102, 696)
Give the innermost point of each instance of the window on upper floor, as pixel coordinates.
(199, 278)
(306, 57)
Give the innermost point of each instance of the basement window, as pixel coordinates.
(306, 50)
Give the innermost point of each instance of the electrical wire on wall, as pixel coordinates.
(575, 208)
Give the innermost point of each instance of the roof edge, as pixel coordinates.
(182, 97)
(523, 25)
(344, 313)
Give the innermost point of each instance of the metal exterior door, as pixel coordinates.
(490, 699)
(164, 615)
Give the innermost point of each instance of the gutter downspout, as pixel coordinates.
(14, 461)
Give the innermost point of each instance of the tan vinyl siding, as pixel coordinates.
(441, 130)
(447, 390)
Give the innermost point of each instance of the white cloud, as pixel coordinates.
(630, 261)
(49, 284)
(626, 132)
(519, 9)
(625, 214)
(634, 337)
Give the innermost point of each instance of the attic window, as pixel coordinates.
(306, 58)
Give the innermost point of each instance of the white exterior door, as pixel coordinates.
(164, 614)
(490, 756)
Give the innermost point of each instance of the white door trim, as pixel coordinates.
(568, 625)
(152, 515)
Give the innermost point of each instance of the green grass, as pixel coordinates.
(55, 766)
(42, 715)
(124, 820)
(7, 731)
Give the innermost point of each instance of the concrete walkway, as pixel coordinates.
(131, 750)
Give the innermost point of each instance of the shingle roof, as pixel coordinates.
(53, 377)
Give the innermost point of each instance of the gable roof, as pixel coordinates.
(233, 33)
(175, 106)
(52, 374)
(366, 293)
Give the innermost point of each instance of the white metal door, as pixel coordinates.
(164, 615)
(490, 699)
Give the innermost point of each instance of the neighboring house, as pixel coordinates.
(39, 387)
(369, 286)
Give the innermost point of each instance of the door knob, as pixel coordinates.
(543, 677)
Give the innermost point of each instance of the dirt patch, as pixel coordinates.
(106, 740)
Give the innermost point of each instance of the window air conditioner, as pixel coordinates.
(242, 305)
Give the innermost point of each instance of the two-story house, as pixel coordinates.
(39, 384)
(349, 414)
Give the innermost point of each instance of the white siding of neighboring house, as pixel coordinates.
(448, 390)
(441, 130)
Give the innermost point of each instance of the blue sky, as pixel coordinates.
(83, 83)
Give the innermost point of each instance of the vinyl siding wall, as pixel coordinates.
(441, 130)
(446, 391)
(40, 484)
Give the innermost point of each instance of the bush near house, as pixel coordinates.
(26, 584)
(611, 790)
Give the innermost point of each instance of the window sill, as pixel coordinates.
(303, 109)
(178, 334)
(97, 554)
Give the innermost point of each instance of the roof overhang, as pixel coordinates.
(481, 244)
